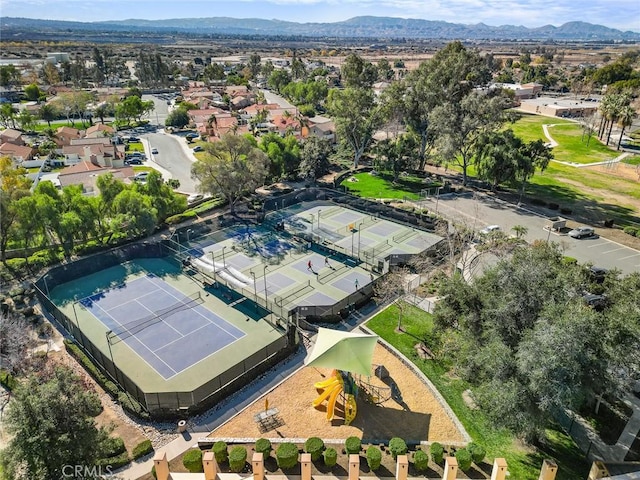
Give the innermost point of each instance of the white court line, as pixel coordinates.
(598, 245)
(614, 250)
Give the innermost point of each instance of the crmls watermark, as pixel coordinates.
(82, 472)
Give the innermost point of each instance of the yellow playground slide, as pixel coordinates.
(327, 393)
(331, 403)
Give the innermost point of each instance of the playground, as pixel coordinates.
(412, 412)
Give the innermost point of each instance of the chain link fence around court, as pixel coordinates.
(159, 404)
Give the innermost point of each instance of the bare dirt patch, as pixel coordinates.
(415, 414)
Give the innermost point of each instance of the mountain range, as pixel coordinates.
(357, 27)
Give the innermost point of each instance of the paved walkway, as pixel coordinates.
(630, 432)
(552, 143)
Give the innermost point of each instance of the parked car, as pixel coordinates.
(597, 302)
(133, 161)
(598, 273)
(154, 151)
(193, 198)
(198, 149)
(582, 232)
(491, 228)
(141, 176)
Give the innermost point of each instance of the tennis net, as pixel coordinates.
(133, 328)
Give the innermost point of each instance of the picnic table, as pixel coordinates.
(268, 419)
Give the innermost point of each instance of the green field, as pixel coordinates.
(382, 186)
(523, 462)
(529, 127)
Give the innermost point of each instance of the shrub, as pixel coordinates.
(374, 458)
(287, 455)
(553, 206)
(112, 447)
(7, 380)
(397, 446)
(421, 460)
(142, 449)
(464, 459)
(352, 445)
(220, 451)
(192, 460)
(314, 446)
(566, 211)
(437, 452)
(537, 201)
(153, 472)
(330, 457)
(263, 445)
(569, 261)
(477, 452)
(633, 231)
(115, 461)
(237, 459)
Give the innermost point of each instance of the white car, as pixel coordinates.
(582, 232)
(154, 151)
(141, 176)
(193, 198)
(491, 228)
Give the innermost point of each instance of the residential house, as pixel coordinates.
(98, 150)
(99, 130)
(18, 153)
(321, 127)
(64, 135)
(11, 136)
(86, 173)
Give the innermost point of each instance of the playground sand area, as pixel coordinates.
(413, 413)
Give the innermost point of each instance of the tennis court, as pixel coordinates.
(169, 330)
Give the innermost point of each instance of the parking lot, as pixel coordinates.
(478, 210)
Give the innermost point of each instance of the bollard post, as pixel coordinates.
(548, 471)
(354, 467)
(402, 467)
(305, 462)
(257, 465)
(162, 466)
(210, 466)
(450, 468)
(499, 471)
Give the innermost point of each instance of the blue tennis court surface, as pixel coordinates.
(169, 330)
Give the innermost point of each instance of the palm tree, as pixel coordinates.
(519, 230)
(625, 119)
(48, 112)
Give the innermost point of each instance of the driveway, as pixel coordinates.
(478, 210)
(271, 97)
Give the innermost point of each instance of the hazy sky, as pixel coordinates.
(621, 14)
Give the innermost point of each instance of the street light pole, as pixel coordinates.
(359, 225)
(319, 219)
(224, 263)
(255, 290)
(264, 276)
(352, 232)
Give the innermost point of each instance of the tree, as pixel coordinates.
(48, 112)
(278, 79)
(178, 117)
(231, 167)
(519, 230)
(14, 343)
(358, 73)
(396, 154)
(8, 115)
(26, 120)
(13, 186)
(536, 155)
(9, 75)
(461, 125)
(499, 157)
(625, 119)
(254, 64)
(52, 422)
(315, 157)
(283, 153)
(385, 72)
(392, 290)
(32, 92)
(357, 117)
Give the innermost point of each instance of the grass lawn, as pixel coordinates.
(635, 160)
(135, 147)
(382, 186)
(41, 127)
(524, 462)
(572, 148)
(529, 127)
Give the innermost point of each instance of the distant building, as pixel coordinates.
(57, 57)
(559, 107)
(11, 136)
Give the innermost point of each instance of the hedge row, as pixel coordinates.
(143, 448)
(115, 462)
(633, 231)
(110, 387)
(287, 454)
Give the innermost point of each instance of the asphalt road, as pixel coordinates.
(478, 211)
(172, 157)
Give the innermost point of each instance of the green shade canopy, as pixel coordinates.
(348, 351)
